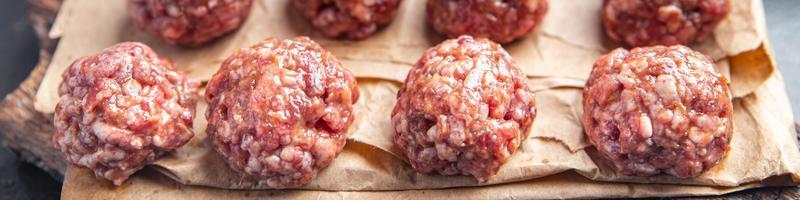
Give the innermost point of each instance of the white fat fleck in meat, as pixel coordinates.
(458, 135)
(700, 137)
(474, 78)
(324, 150)
(254, 164)
(426, 154)
(707, 123)
(157, 141)
(289, 153)
(433, 133)
(678, 119)
(273, 162)
(666, 87)
(101, 130)
(645, 126)
(483, 112)
(444, 152)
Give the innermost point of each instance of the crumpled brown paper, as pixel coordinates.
(557, 59)
(79, 183)
(570, 39)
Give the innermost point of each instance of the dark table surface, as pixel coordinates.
(19, 54)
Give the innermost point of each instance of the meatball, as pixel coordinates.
(464, 109)
(353, 19)
(499, 20)
(658, 109)
(189, 22)
(279, 110)
(662, 22)
(121, 109)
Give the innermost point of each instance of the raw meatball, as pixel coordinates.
(658, 109)
(353, 19)
(189, 22)
(463, 109)
(499, 20)
(662, 22)
(279, 111)
(121, 109)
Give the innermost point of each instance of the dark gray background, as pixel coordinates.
(19, 54)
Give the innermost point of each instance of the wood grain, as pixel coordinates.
(27, 132)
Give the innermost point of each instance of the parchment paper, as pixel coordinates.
(566, 45)
(79, 183)
(557, 58)
(148, 184)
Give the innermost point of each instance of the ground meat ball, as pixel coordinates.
(121, 109)
(279, 110)
(354, 19)
(189, 22)
(463, 109)
(662, 22)
(499, 20)
(658, 109)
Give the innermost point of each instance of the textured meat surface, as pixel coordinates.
(279, 110)
(658, 109)
(353, 19)
(499, 20)
(662, 22)
(189, 22)
(121, 109)
(464, 109)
